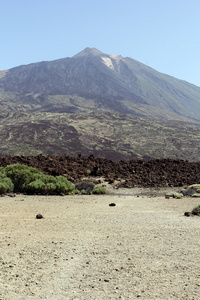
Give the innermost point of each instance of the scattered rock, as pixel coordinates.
(39, 216)
(188, 214)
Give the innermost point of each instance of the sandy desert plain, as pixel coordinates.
(144, 247)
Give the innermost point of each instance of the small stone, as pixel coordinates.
(39, 216)
(112, 204)
(187, 214)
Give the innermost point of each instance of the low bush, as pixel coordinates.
(35, 187)
(22, 175)
(196, 210)
(23, 179)
(6, 185)
(99, 190)
(49, 185)
(64, 186)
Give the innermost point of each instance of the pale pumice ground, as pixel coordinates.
(84, 249)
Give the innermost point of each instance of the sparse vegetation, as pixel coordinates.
(6, 184)
(24, 179)
(99, 190)
(196, 210)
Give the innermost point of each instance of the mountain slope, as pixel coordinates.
(107, 135)
(112, 82)
(95, 103)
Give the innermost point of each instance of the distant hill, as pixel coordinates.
(95, 103)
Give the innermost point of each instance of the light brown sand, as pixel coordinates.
(83, 249)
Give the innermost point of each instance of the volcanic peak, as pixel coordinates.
(89, 51)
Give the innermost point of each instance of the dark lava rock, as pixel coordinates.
(153, 173)
(39, 216)
(196, 212)
(188, 214)
(85, 186)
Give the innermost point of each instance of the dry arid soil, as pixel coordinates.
(144, 247)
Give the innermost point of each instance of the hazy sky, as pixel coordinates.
(164, 34)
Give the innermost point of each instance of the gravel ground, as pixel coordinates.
(84, 249)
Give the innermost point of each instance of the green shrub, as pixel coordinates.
(3, 188)
(75, 192)
(35, 187)
(22, 175)
(83, 192)
(179, 196)
(64, 186)
(49, 188)
(6, 185)
(49, 185)
(2, 171)
(31, 181)
(99, 190)
(43, 184)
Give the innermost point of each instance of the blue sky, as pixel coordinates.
(163, 34)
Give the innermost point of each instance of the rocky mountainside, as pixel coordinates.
(107, 135)
(95, 103)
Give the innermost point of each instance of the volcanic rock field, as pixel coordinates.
(125, 174)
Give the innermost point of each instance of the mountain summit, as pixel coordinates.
(89, 51)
